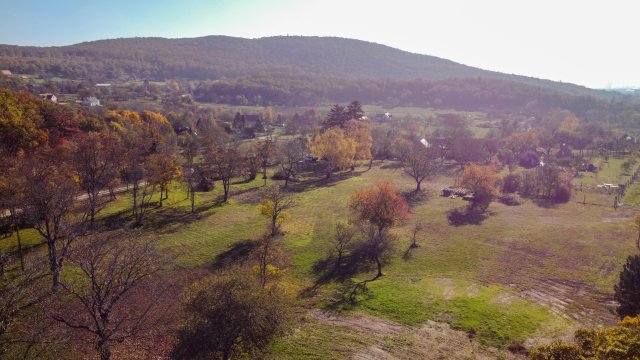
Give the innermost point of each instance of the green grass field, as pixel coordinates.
(521, 274)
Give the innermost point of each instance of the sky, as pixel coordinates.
(591, 43)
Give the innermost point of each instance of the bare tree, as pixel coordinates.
(50, 205)
(269, 256)
(96, 161)
(342, 240)
(115, 293)
(225, 162)
(418, 227)
(273, 205)
(289, 154)
(252, 162)
(162, 168)
(143, 188)
(190, 148)
(265, 152)
(19, 294)
(12, 195)
(417, 163)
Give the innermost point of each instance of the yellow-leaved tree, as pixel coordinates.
(334, 147)
(615, 343)
(360, 132)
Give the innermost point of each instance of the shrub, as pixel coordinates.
(511, 183)
(231, 315)
(563, 193)
(510, 200)
(618, 343)
(627, 291)
(557, 350)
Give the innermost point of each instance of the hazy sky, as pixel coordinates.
(592, 43)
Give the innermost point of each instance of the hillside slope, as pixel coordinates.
(215, 57)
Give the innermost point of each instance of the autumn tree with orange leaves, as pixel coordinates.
(521, 142)
(376, 210)
(481, 181)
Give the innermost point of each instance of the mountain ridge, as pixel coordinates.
(218, 56)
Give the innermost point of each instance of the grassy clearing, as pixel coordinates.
(498, 278)
(609, 171)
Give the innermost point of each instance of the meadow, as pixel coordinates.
(518, 275)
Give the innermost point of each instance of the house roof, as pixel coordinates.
(5, 72)
(252, 119)
(47, 96)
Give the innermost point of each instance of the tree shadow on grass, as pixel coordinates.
(236, 254)
(324, 181)
(545, 203)
(330, 269)
(414, 198)
(466, 216)
(392, 165)
(243, 181)
(116, 220)
(169, 220)
(349, 294)
(166, 219)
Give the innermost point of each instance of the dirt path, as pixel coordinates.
(385, 339)
(82, 197)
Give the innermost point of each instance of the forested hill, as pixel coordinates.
(215, 57)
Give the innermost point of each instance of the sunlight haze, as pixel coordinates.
(587, 43)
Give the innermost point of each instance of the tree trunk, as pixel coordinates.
(226, 354)
(53, 263)
(379, 264)
(16, 226)
(193, 200)
(225, 187)
(135, 199)
(56, 278)
(418, 185)
(370, 163)
(286, 182)
(264, 175)
(20, 253)
(103, 349)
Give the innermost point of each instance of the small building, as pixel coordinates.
(91, 101)
(252, 121)
(49, 97)
(103, 85)
(383, 117)
(6, 73)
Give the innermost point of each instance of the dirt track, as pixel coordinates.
(385, 339)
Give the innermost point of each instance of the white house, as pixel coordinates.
(49, 96)
(91, 101)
